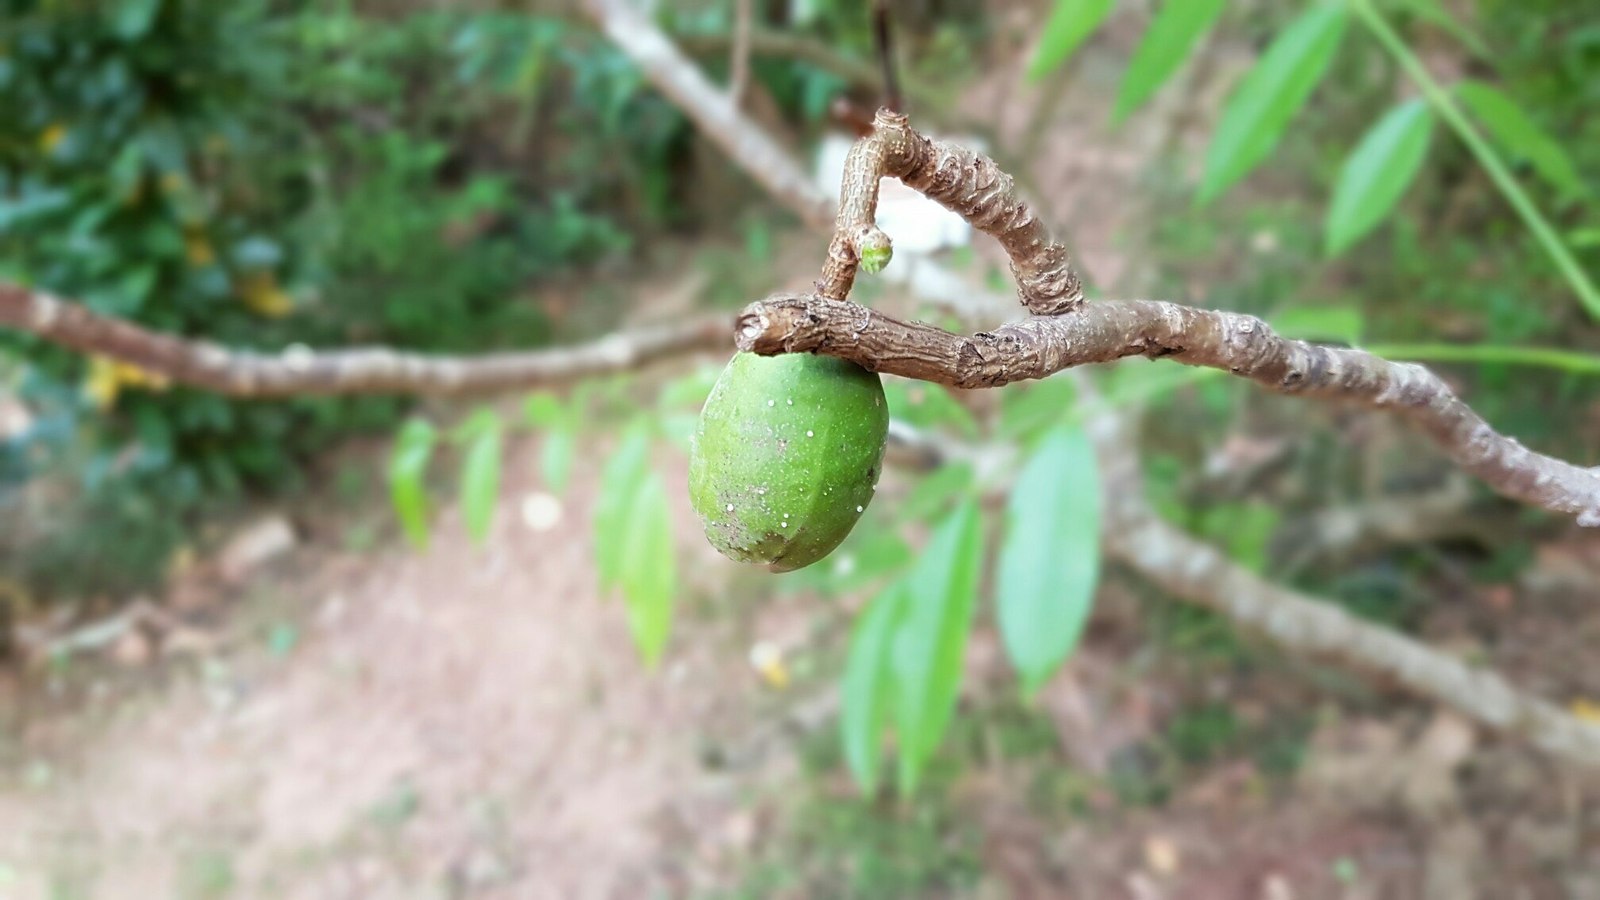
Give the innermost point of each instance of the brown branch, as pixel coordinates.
(676, 76)
(1243, 345)
(301, 371)
(1198, 573)
(739, 55)
(967, 183)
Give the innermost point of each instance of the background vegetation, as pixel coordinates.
(338, 173)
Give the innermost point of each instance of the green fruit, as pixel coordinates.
(786, 456)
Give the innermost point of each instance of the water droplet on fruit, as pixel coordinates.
(861, 509)
(730, 507)
(811, 433)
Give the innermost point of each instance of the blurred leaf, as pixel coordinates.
(1049, 563)
(649, 570)
(407, 467)
(1583, 238)
(555, 458)
(1166, 44)
(689, 390)
(1243, 529)
(480, 473)
(543, 410)
(134, 17)
(925, 404)
(1030, 409)
(1433, 11)
(1070, 22)
(876, 553)
(935, 491)
(1137, 382)
(866, 686)
(618, 483)
(1260, 108)
(932, 637)
(1343, 324)
(1378, 172)
(1521, 136)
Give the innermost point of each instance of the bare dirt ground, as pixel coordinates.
(472, 721)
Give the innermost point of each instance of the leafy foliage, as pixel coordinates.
(260, 179)
(1049, 564)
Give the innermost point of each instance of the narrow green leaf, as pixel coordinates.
(649, 570)
(932, 637)
(1433, 11)
(133, 18)
(1260, 108)
(1030, 409)
(1049, 565)
(480, 474)
(544, 410)
(864, 710)
(618, 483)
(1172, 34)
(407, 466)
(1343, 324)
(1521, 136)
(555, 457)
(936, 491)
(1378, 172)
(1070, 22)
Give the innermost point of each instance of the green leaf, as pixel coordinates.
(936, 491)
(932, 638)
(928, 405)
(1433, 11)
(480, 473)
(544, 410)
(1521, 136)
(864, 711)
(624, 471)
(413, 448)
(1029, 409)
(555, 458)
(1260, 108)
(1070, 22)
(1172, 34)
(1378, 172)
(1343, 324)
(133, 18)
(648, 568)
(1049, 565)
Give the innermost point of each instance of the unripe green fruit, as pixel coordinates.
(786, 456)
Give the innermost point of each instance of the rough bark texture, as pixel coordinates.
(301, 371)
(965, 182)
(1243, 345)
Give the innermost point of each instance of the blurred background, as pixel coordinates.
(401, 647)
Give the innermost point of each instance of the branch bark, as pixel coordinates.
(1242, 345)
(300, 371)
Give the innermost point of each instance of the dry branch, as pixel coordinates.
(301, 371)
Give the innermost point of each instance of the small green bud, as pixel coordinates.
(875, 256)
